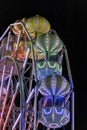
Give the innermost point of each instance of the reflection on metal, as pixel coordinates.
(33, 87)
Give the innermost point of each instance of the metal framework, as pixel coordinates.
(16, 84)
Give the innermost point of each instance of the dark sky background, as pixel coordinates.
(69, 19)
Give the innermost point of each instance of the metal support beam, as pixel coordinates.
(72, 88)
(36, 89)
(4, 104)
(2, 81)
(22, 94)
(10, 108)
(19, 116)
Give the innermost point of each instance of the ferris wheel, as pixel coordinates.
(35, 93)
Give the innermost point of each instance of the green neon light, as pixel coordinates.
(49, 65)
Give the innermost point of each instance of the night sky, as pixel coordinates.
(69, 19)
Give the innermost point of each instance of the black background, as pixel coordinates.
(68, 18)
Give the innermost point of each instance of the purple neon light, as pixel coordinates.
(47, 112)
(57, 112)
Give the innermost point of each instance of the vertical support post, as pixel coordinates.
(73, 111)
(8, 39)
(22, 94)
(22, 104)
(36, 88)
(72, 87)
(18, 42)
(2, 82)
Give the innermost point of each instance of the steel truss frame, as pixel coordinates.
(22, 115)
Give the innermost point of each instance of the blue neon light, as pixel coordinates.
(59, 112)
(47, 112)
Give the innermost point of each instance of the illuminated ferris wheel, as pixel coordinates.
(34, 90)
